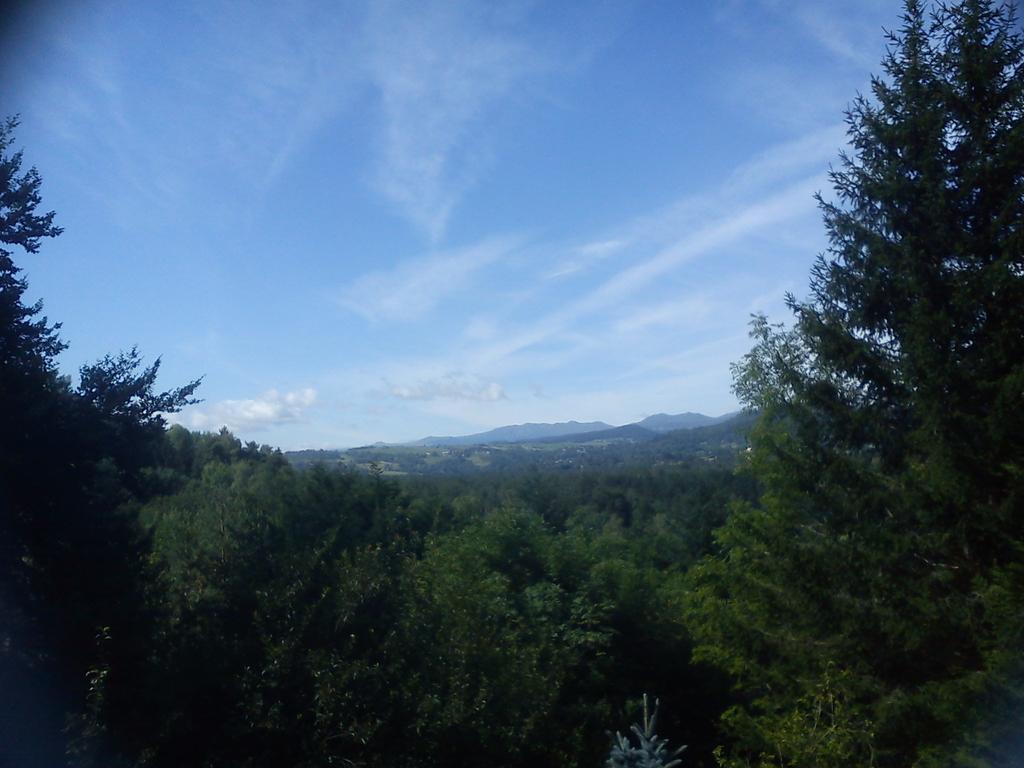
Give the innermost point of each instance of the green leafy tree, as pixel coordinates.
(501, 632)
(277, 597)
(866, 605)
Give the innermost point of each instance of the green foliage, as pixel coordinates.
(860, 605)
(502, 653)
(270, 600)
(311, 617)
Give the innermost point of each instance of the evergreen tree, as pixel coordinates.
(870, 606)
(651, 750)
(27, 343)
(73, 469)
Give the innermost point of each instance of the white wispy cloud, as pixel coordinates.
(841, 34)
(416, 286)
(690, 309)
(721, 232)
(585, 256)
(480, 328)
(774, 81)
(271, 409)
(621, 320)
(440, 68)
(450, 386)
(231, 108)
(608, 401)
(709, 357)
(797, 157)
(289, 71)
(249, 92)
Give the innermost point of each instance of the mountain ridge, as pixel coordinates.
(658, 423)
(667, 422)
(627, 445)
(515, 433)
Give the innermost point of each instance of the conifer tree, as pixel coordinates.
(73, 468)
(27, 342)
(651, 751)
(869, 607)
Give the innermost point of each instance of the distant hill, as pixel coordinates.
(575, 431)
(665, 422)
(720, 442)
(630, 432)
(517, 433)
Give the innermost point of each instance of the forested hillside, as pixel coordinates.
(835, 578)
(629, 446)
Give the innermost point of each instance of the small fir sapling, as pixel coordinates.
(651, 750)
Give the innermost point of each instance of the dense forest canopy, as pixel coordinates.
(848, 591)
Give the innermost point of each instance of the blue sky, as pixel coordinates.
(378, 221)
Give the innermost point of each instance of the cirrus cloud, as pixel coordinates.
(439, 69)
(451, 386)
(416, 286)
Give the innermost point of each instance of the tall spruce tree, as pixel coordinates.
(870, 606)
